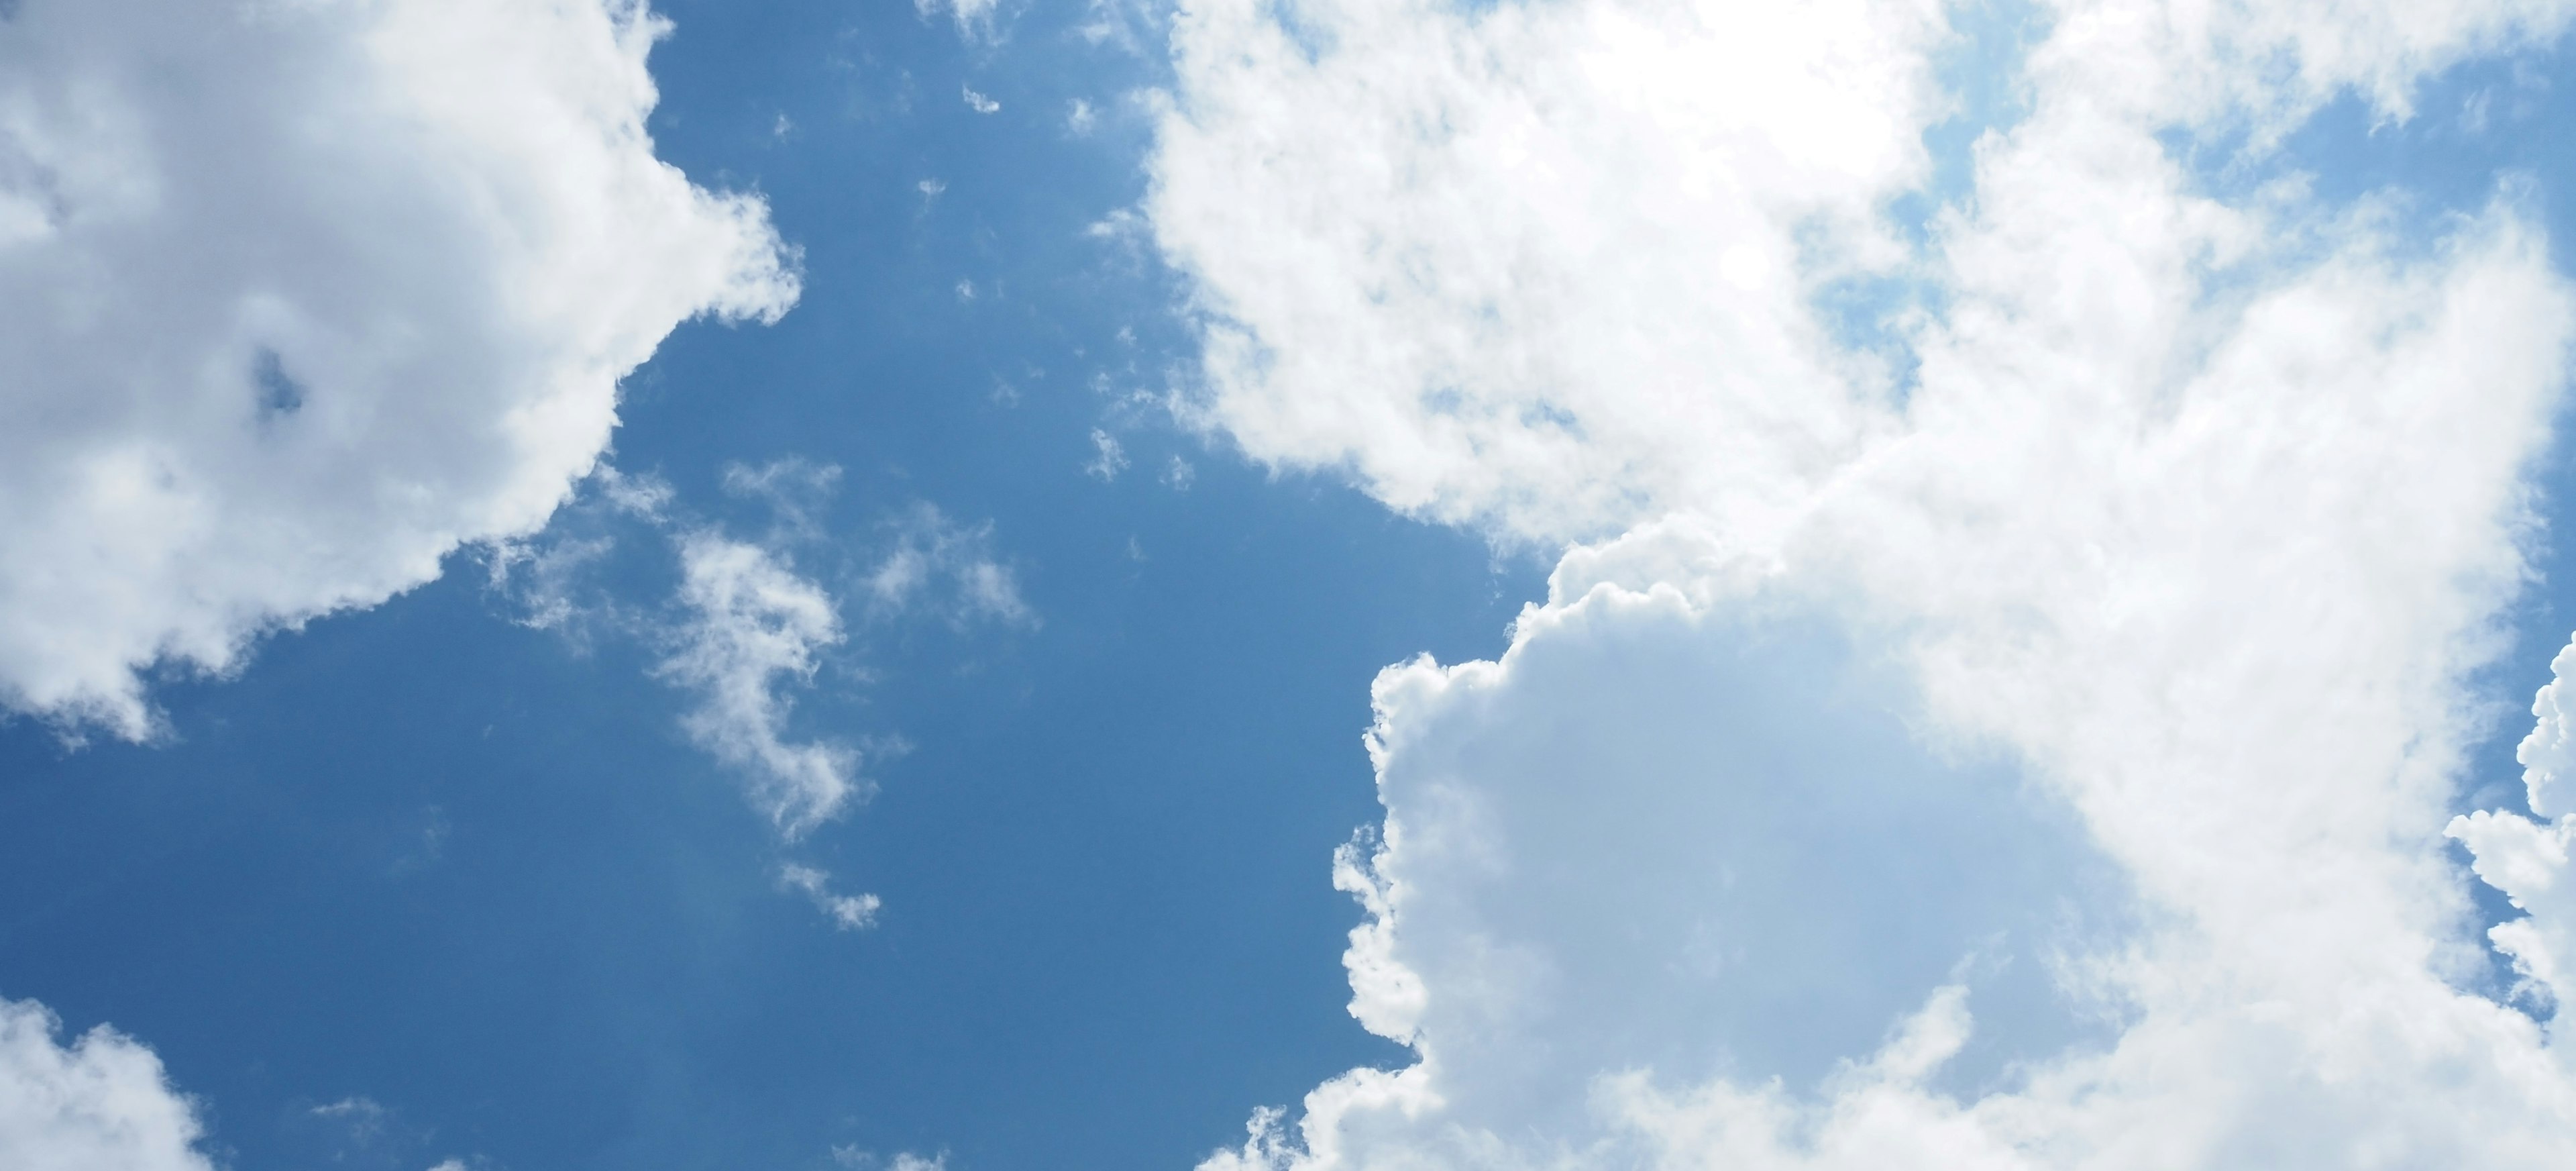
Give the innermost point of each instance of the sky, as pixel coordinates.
(1285, 586)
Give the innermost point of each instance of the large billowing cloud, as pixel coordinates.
(298, 295)
(2008, 711)
(101, 1103)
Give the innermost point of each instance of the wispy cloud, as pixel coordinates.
(751, 628)
(848, 912)
(976, 20)
(1108, 456)
(936, 566)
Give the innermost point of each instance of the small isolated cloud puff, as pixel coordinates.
(102, 1102)
(297, 298)
(848, 912)
(859, 1160)
(361, 1113)
(1108, 456)
(751, 623)
(2198, 508)
(979, 103)
(944, 568)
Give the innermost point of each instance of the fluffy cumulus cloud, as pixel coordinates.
(100, 1102)
(2007, 701)
(2526, 857)
(297, 296)
(1610, 338)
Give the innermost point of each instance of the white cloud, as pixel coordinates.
(977, 20)
(365, 1115)
(1079, 118)
(746, 628)
(1108, 458)
(847, 912)
(752, 624)
(979, 103)
(1624, 332)
(298, 298)
(938, 566)
(853, 1157)
(2016, 732)
(103, 1102)
(2527, 859)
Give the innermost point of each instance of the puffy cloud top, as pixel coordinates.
(298, 295)
(101, 1102)
(2195, 505)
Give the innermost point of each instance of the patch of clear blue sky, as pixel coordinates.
(474, 873)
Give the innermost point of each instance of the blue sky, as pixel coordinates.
(1969, 558)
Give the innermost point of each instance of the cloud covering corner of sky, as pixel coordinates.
(407, 308)
(2197, 508)
(102, 1101)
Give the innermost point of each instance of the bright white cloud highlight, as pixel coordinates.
(296, 298)
(1538, 266)
(101, 1102)
(2194, 510)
